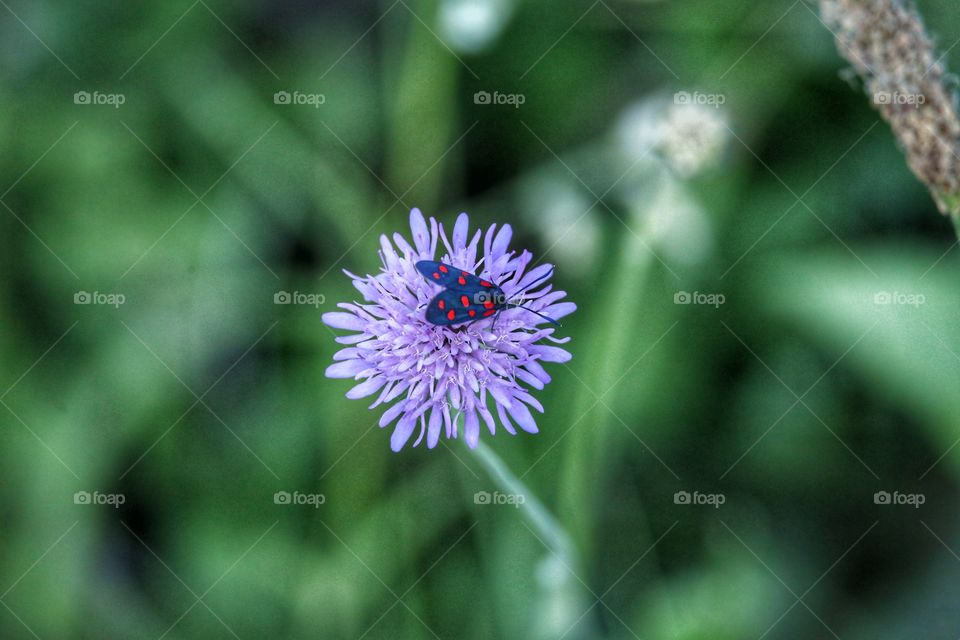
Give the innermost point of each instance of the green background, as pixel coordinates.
(199, 198)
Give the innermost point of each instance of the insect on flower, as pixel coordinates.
(438, 376)
(467, 297)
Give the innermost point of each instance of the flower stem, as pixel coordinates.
(561, 591)
(544, 524)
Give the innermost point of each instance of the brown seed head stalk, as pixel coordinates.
(889, 48)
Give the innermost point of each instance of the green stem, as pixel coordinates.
(543, 522)
(560, 592)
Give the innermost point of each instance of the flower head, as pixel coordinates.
(434, 375)
(687, 134)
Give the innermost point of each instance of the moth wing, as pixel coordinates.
(449, 276)
(439, 273)
(448, 308)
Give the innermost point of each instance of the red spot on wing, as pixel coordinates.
(489, 312)
(465, 301)
(462, 280)
(442, 305)
(443, 269)
(451, 314)
(488, 304)
(472, 313)
(484, 283)
(436, 276)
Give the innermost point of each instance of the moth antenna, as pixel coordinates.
(535, 282)
(547, 318)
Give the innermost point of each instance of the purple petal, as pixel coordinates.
(402, 244)
(447, 421)
(396, 391)
(367, 388)
(523, 417)
(472, 248)
(433, 239)
(471, 429)
(529, 378)
(391, 414)
(550, 354)
(346, 369)
(455, 397)
(523, 396)
(505, 421)
(390, 259)
(487, 243)
(537, 369)
(446, 242)
(547, 298)
(346, 354)
(402, 433)
(353, 338)
(501, 396)
(502, 241)
(343, 320)
(421, 235)
(535, 274)
(488, 418)
(557, 311)
(423, 430)
(460, 231)
(433, 430)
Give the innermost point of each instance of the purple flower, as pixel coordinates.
(434, 375)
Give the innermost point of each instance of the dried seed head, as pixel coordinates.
(886, 43)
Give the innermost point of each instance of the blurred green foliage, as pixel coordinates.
(200, 197)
